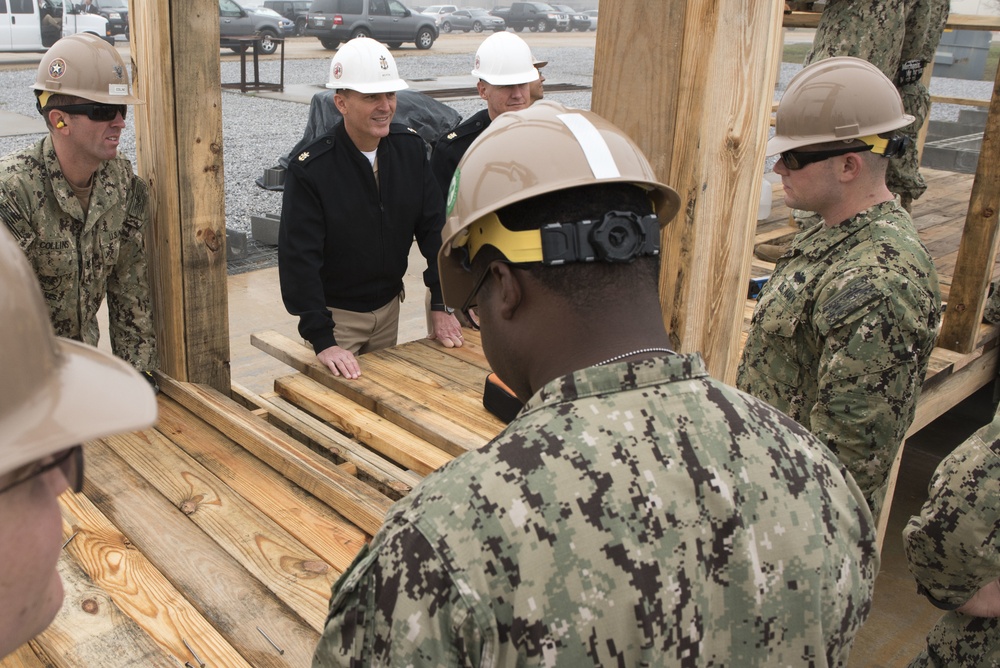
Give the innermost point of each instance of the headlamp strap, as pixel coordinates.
(620, 236)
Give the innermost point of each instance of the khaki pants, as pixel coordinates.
(367, 331)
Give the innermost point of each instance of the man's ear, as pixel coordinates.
(338, 102)
(508, 288)
(481, 87)
(853, 166)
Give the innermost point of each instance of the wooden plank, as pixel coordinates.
(315, 524)
(138, 588)
(381, 435)
(950, 389)
(471, 350)
(90, 630)
(358, 502)
(715, 65)
(23, 657)
(293, 572)
(409, 413)
(385, 476)
(179, 153)
(215, 584)
(978, 250)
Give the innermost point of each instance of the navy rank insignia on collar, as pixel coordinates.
(303, 156)
(451, 135)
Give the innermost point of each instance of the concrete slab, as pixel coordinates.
(17, 124)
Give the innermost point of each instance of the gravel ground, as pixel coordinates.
(257, 131)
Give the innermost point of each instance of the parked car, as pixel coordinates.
(592, 15)
(116, 12)
(476, 20)
(388, 21)
(296, 11)
(439, 10)
(235, 21)
(536, 16)
(577, 20)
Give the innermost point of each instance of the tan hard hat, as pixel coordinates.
(834, 99)
(366, 66)
(523, 154)
(56, 393)
(84, 65)
(504, 59)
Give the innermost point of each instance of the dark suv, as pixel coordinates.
(336, 21)
(296, 11)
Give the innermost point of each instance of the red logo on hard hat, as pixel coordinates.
(477, 61)
(338, 70)
(57, 68)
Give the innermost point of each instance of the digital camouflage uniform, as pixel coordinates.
(81, 258)
(900, 38)
(953, 548)
(842, 334)
(632, 514)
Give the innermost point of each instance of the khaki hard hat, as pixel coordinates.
(523, 154)
(835, 99)
(366, 66)
(504, 59)
(56, 393)
(84, 65)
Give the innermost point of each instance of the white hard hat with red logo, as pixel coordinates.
(366, 66)
(504, 59)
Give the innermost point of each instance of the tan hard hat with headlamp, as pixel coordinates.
(84, 65)
(56, 393)
(837, 99)
(524, 154)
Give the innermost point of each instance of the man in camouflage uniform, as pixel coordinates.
(844, 328)
(636, 512)
(75, 207)
(953, 548)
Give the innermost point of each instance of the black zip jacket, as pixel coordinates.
(344, 242)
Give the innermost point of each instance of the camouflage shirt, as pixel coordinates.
(79, 258)
(842, 335)
(634, 514)
(953, 548)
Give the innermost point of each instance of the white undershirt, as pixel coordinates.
(371, 156)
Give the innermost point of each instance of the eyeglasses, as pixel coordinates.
(796, 160)
(471, 303)
(69, 461)
(94, 111)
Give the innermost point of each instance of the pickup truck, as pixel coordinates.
(27, 25)
(536, 16)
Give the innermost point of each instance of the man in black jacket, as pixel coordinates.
(354, 200)
(506, 69)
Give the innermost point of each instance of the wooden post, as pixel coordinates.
(978, 249)
(175, 64)
(692, 83)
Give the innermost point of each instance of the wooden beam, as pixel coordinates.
(692, 84)
(978, 249)
(175, 47)
(358, 502)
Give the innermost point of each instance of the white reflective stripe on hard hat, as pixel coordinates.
(595, 149)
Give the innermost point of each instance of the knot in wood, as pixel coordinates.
(90, 606)
(189, 506)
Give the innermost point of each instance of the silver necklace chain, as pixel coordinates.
(634, 352)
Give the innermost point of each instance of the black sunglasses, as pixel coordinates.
(71, 463)
(471, 303)
(796, 160)
(94, 110)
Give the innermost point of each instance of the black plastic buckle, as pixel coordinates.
(620, 236)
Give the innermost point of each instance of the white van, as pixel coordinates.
(35, 25)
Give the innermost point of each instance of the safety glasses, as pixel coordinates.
(796, 160)
(69, 461)
(471, 302)
(94, 110)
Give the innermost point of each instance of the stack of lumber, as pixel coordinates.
(214, 538)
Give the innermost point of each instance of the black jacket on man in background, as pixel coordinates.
(343, 241)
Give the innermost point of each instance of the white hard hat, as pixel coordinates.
(56, 393)
(504, 59)
(365, 65)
